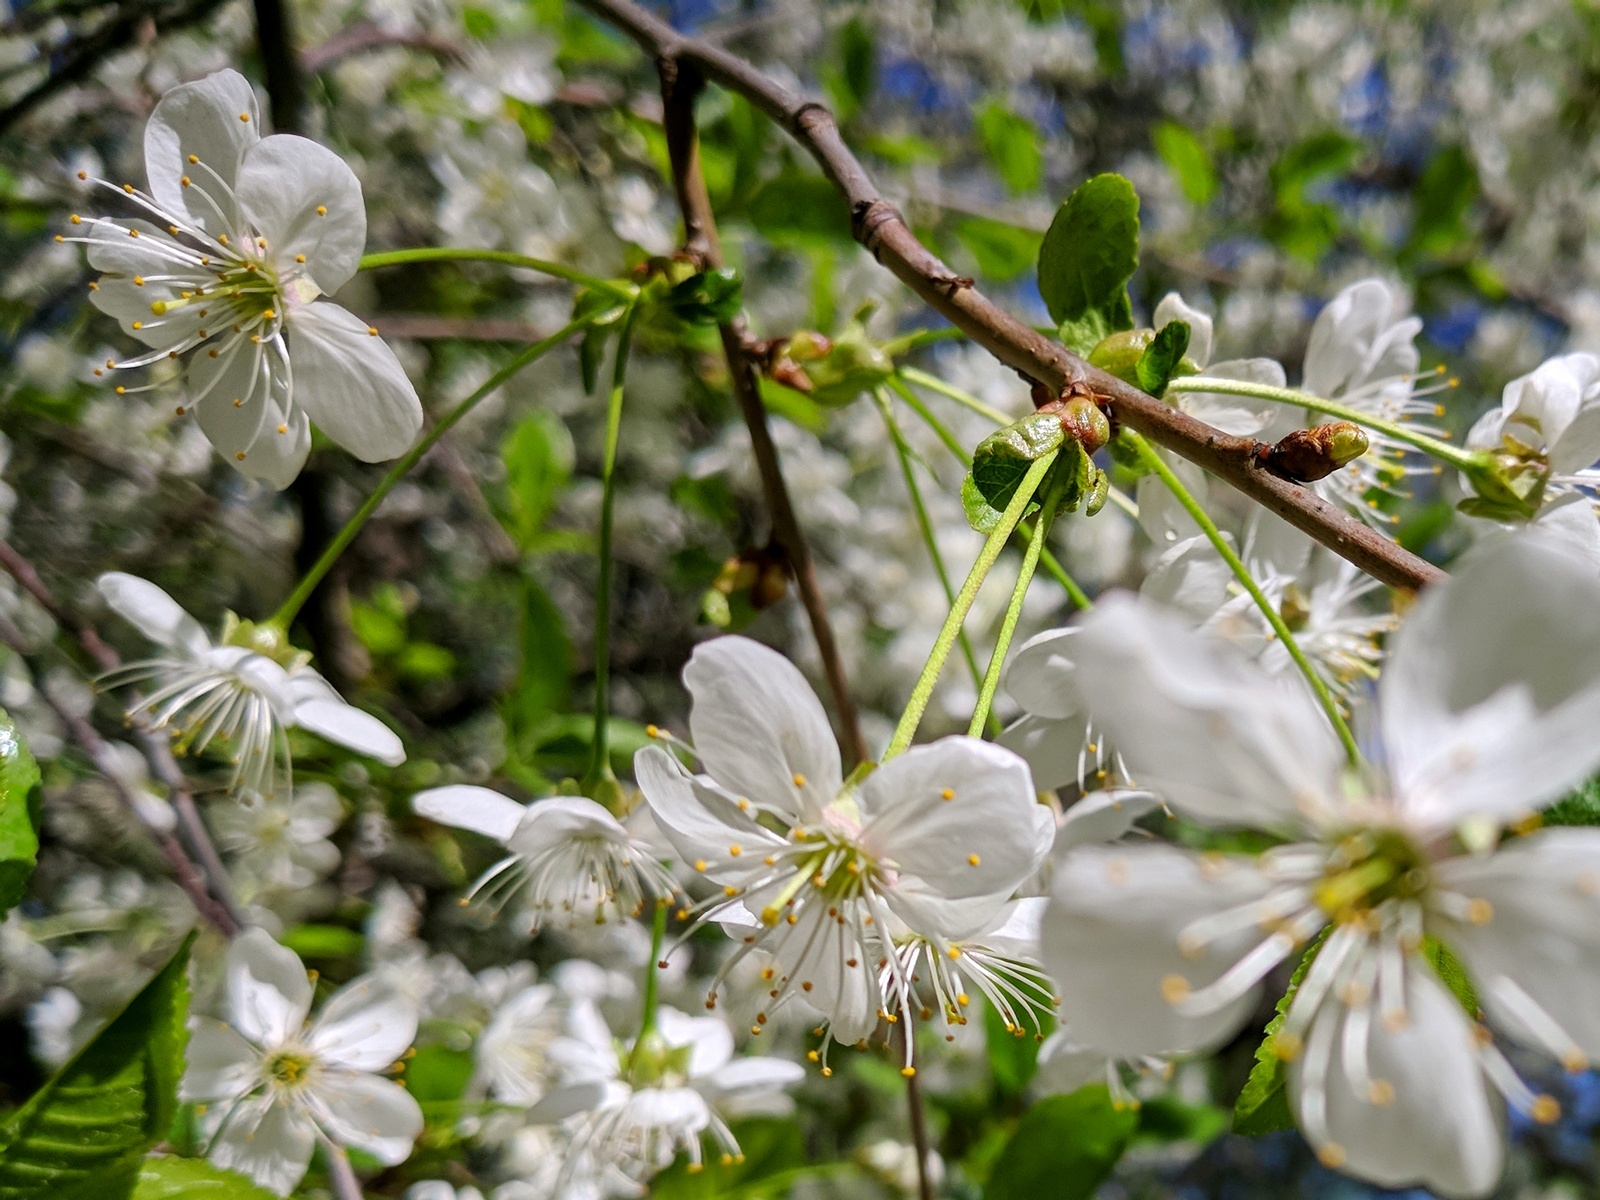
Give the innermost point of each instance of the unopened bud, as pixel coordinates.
(1307, 455)
(1119, 354)
(1084, 423)
(808, 346)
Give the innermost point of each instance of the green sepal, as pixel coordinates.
(1163, 358)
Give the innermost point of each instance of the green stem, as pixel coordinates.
(1056, 571)
(1465, 460)
(1052, 565)
(652, 978)
(1159, 466)
(1008, 626)
(919, 338)
(394, 258)
(924, 522)
(996, 541)
(600, 757)
(934, 384)
(290, 608)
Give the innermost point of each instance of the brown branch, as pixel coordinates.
(156, 750)
(680, 84)
(369, 36)
(880, 228)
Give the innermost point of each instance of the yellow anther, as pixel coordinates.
(299, 258)
(1381, 1092)
(322, 210)
(133, 233)
(908, 1072)
(372, 331)
(827, 1072)
(240, 456)
(180, 410)
(1574, 1060)
(185, 180)
(699, 864)
(1480, 911)
(193, 159)
(1331, 1155)
(121, 390)
(245, 117)
(128, 187)
(1546, 1110)
(238, 401)
(138, 324)
(735, 850)
(83, 174)
(947, 794)
(730, 890)
(269, 315)
(973, 860)
(283, 429)
(1175, 989)
(799, 780)
(1286, 1046)
(953, 952)
(963, 999)
(812, 1055)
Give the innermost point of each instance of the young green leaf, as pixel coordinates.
(1188, 161)
(1013, 145)
(1161, 357)
(193, 1179)
(19, 839)
(82, 1135)
(1089, 253)
(1064, 1148)
(1003, 458)
(1263, 1106)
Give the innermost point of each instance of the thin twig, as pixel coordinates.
(184, 871)
(280, 64)
(156, 750)
(679, 88)
(880, 228)
(367, 35)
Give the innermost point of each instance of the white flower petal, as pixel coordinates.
(754, 1074)
(231, 397)
(1174, 308)
(710, 1042)
(1110, 942)
(1442, 1129)
(1103, 817)
(1039, 676)
(1066, 1066)
(1491, 694)
(558, 819)
(366, 1025)
(1351, 336)
(268, 992)
(370, 1114)
(759, 728)
(220, 1066)
(959, 820)
(1189, 577)
(1054, 750)
(568, 1101)
(1200, 724)
(1542, 933)
(305, 200)
(701, 821)
(350, 383)
(479, 809)
(346, 725)
(1241, 416)
(202, 119)
(153, 613)
(269, 1142)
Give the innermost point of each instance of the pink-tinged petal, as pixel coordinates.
(1111, 942)
(759, 728)
(269, 994)
(1441, 1128)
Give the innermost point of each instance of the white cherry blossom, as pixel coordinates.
(569, 857)
(241, 236)
(629, 1109)
(1484, 711)
(246, 688)
(279, 841)
(816, 870)
(273, 1084)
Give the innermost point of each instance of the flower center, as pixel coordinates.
(289, 1069)
(1366, 868)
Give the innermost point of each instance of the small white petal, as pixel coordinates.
(1053, 749)
(220, 1065)
(710, 1042)
(370, 1114)
(202, 119)
(1066, 1066)
(268, 992)
(558, 819)
(1103, 817)
(1173, 307)
(466, 807)
(270, 1142)
(1241, 416)
(759, 728)
(305, 200)
(1041, 673)
(350, 383)
(346, 725)
(366, 1025)
(154, 613)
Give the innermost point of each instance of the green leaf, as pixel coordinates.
(1003, 458)
(850, 73)
(19, 838)
(1440, 202)
(193, 1179)
(1263, 1105)
(1002, 251)
(1582, 807)
(324, 942)
(1452, 974)
(538, 457)
(773, 1151)
(82, 1135)
(1082, 334)
(981, 515)
(1012, 1059)
(1162, 356)
(438, 1074)
(1063, 1149)
(1188, 161)
(1090, 252)
(1013, 145)
(707, 297)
